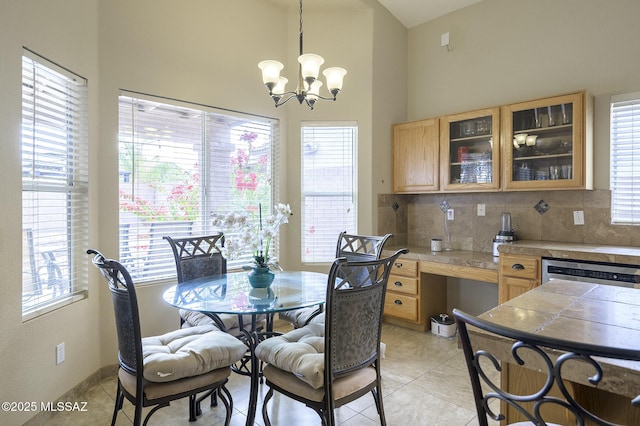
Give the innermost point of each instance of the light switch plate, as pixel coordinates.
(578, 217)
(482, 209)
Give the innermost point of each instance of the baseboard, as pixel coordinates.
(75, 393)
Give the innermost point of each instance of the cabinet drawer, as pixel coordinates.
(400, 284)
(406, 268)
(520, 266)
(401, 306)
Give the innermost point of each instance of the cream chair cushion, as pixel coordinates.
(300, 352)
(189, 352)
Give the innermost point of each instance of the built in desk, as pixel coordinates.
(417, 287)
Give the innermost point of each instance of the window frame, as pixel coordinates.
(213, 145)
(55, 183)
(325, 245)
(624, 159)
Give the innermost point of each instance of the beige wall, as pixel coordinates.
(505, 51)
(27, 351)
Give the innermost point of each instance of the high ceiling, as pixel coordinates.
(409, 12)
(416, 12)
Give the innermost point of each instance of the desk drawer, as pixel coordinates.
(520, 266)
(406, 268)
(401, 306)
(402, 284)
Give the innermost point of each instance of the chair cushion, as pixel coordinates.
(189, 352)
(300, 317)
(230, 321)
(300, 352)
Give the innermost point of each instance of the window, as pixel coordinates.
(54, 186)
(329, 201)
(179, 163)
(625, 159)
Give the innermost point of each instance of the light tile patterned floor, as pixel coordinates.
(425, 382)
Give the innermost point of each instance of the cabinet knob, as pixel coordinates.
(517, 266)
(398, 302)
(398, 284)
(398, 264)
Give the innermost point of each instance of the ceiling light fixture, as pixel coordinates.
(308, 89)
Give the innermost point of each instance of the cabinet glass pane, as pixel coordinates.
(543, 143)
(470, 150)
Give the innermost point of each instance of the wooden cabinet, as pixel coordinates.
(547, 144)
(415, 156)
(470, 151)
(544, 144)
(412, 297)
(517, 275)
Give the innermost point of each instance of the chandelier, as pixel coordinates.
(308, 89)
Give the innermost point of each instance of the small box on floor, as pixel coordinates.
(443, 325)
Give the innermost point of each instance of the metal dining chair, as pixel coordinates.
(351, 247)
(156, 370)
(554, 358)
(327, 366)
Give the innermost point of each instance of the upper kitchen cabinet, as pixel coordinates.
(470, 151)
(415, 156)
(547, 144)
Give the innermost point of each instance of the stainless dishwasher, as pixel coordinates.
(616, 274)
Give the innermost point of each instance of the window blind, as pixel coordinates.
(625, 159)
(180, 163)
(54, 185)
(329, 194)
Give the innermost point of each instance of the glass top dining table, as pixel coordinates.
(232, 294)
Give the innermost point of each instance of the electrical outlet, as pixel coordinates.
(60, 353)
(450, 214)
(481, 209)
(578, 217)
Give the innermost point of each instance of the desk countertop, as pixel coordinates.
(476, 259)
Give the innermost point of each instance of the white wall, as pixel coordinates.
(505, 51)
(63, 31)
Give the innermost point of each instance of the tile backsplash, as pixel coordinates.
(536, 215)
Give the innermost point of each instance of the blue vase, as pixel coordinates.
(260, 277)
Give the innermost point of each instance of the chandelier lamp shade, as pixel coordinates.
(308, 89)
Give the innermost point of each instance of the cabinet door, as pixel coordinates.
(415, 156)
(513, 287)
(470, 150)
(546, 144)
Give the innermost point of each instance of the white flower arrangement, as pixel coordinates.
(243, 232)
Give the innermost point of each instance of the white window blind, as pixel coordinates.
(329, 195)
(54, 185)
(625, 159)
(179, 163)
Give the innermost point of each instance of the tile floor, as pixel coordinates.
(425, 382)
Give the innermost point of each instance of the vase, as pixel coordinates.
(260, 277)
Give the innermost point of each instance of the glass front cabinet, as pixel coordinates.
(545, 145)
(469, 151)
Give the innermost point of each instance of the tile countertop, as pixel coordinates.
(594, 253)
(476, 259)
(589, 313)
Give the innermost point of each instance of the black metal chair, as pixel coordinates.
(349, 341)
(552, 357)
(159, 369)
(351, 247)
(200, 256)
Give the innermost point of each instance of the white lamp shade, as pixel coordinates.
(270, 71)
(334, 77)
(314, 91)
(279, 87)
(310, 65)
